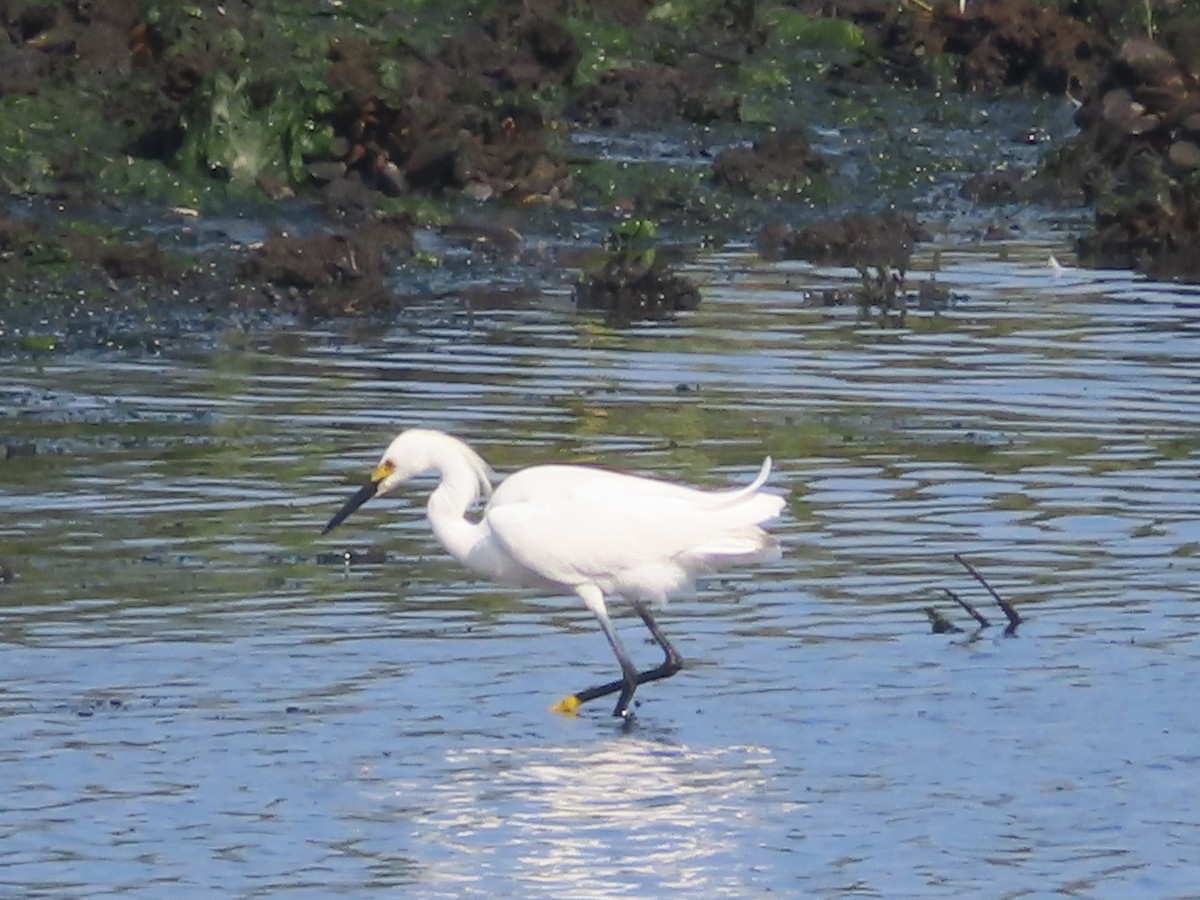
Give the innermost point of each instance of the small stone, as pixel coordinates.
(1148, 62)
(391, 180)
(324, 172)
(479, 191)
(1185, 155)
(20, 450)
(1126, 114)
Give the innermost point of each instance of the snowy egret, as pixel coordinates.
(579, 528)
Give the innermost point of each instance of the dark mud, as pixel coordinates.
(337, 273)
(1137, 160)
(881, 241)
(989, 45)
(376, 123)
(775, 164)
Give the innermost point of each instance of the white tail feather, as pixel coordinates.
(731, 497)
(750, 506)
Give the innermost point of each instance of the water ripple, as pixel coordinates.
(202, 697)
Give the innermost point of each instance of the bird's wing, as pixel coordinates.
(574, 524)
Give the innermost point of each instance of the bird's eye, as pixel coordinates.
(383, 470)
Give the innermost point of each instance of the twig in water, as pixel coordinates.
(971, 610)
(941, 625)
(1013, 618)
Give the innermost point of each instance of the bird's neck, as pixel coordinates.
(447, 510)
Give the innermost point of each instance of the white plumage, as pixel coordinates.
(584, 529)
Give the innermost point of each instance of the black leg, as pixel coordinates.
(672, 663)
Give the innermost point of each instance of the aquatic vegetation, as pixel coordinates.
(631, 282)
(231, 133)
(791, 28)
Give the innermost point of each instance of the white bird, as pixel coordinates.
(584, 529)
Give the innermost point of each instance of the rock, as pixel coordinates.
(326, 171)
(776, 164)
(1185, 155)
(1147, 62)
(883, 241)
(1125, 114)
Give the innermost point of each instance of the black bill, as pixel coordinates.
(365, 493)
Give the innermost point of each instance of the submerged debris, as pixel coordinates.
(885, 240)
(971, 610)
(884, 294)
(353, 556)
(883, 290)
(1009, 611)
(775, 165)
(632, 283)
(334, 274)
(941, 625)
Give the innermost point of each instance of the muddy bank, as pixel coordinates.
(987, 45)
(385, 120)
(1137, 160)
(69, 285)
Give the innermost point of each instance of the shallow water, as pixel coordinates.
(200, 697)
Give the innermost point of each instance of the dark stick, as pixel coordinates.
(971, 610)
(1013, 618)
(941, 625)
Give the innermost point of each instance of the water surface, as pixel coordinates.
(199, 697)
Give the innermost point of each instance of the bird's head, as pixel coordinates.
(412, 453)
(394, 468)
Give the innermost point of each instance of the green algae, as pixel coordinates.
(604, 46)
(790, 28)
(230, 135)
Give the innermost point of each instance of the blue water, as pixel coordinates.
(195, 701)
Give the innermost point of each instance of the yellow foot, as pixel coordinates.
(568, 705)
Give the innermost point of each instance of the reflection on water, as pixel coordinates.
(198, 697)
(580, 821)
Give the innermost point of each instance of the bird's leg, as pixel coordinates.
(671, 664)
(627, 684)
